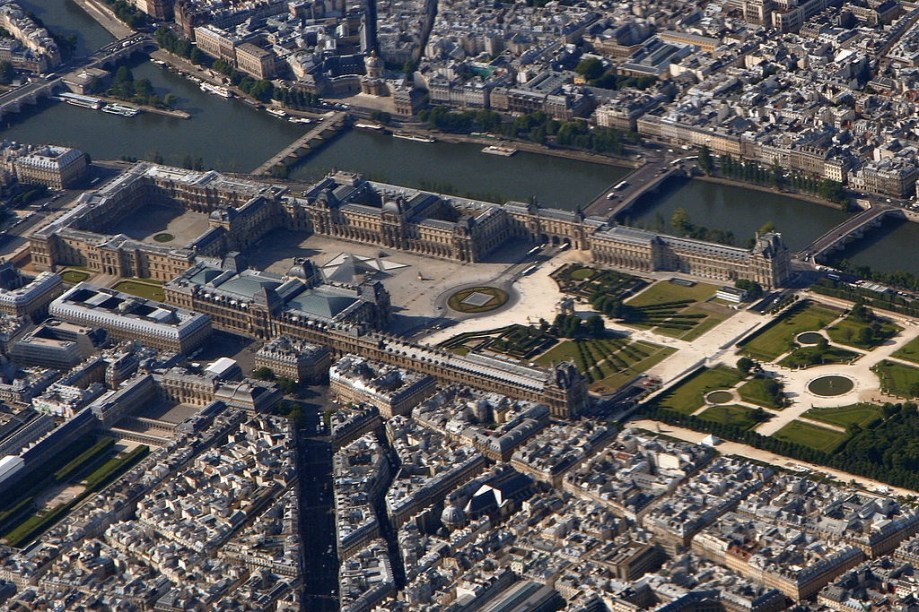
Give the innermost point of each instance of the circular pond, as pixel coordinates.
(719, 397)
(830, 386)
(810, 338)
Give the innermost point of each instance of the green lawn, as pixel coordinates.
(898, 379)
(582, 274)
(756, 391)
(608, 362)
(808, 356)
(779, 337)
(614, 381)
(844, 416)
(849, 330)
(689, 395)
(74, 276)
(665, 291)
(732, 414)
(677, 311)
(144, 289)
(711, 320)
(910, 352)
(819, 438)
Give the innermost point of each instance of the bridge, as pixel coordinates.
(106, 57)
(327, 127)
(643, 180)
(853, 227)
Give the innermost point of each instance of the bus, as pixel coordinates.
(620, 186)
(530, 270)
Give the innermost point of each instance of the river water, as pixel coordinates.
(232, 136)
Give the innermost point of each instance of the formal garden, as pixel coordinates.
(72, 475)
(608, 362)
(586, 282)
(676, 308)
(520, 341)
(780, 335)
(898, 379)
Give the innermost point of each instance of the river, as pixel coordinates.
(232, 136)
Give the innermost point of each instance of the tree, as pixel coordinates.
(766, 228)
(590, 68)
(7, 74)
(706, 163)
(754, 290)
(680, 221)
(264, 373)
(595, 327)
(745, 364)
(287, 385)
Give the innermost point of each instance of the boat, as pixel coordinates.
(300, 120)
(121, 109)
(223, 92)
(502, 151)
(369, 126)
(277, 112)
(82, 101)
(413, 137)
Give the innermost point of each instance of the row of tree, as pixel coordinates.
(260, 89)
(887, 449)
(774, 176)
(179, 46)
(537, 127)
(683, 226)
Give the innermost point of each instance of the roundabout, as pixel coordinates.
(477, 300)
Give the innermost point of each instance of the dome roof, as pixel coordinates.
(393, 206)
(373, 61)
(453, 516)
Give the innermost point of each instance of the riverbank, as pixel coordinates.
(168, 112)
(794, 195)
(104, 16)
(531, 147)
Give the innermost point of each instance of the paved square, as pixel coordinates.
(152, 219)
(477, 299)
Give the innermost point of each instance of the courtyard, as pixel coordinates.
(154, 223)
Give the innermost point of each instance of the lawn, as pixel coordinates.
(608, 362)
(456, 301)
(757, 391)
(910, 352)
(144, 289)
(808, 356)
(898, 379)
(814, 436)
(778, 337)
(849, 332)
(676, 310)
(614, 381)
(74, 277)
(734, 415)
(665, 291)
(689, 395)
(844, 416)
